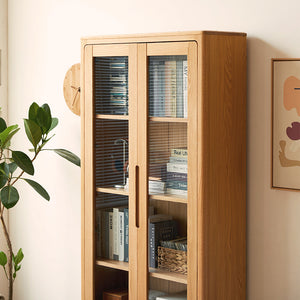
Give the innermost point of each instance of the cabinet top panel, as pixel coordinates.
(154, 37)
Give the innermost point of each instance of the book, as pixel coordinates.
(177, 185)
(179, 152)
(126, 240)
(178, 160)
(185, 88)
(98, 233)
(170, 88)
(111, 235)
(177, 192)
(115, 295)
(105, 233)
(179, 93)
(174, 176)
(156, 187)
(162, 230)
(177, 168)
(177, 296)
(177, 244)
(121, 237)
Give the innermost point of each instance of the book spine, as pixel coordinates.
(156, 91)
(178, 160)
(105, 240)
(177, 185)
(173, 176)
(111, 235)
(177, 168)
(126, 225)
(170, 88)
(162, 88)
(121, 235)
(151, 252)
(185, 88)
(179, 93)
(98, 233)
(176, 192)
(156, 184)
(173, 90)
(179, 152)
(116, 234)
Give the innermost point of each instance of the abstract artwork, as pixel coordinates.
(286, 123)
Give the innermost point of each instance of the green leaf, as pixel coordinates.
(12, 167)
(19, 257)
(9, 196)
(4, 173)
(68, 155)
(3, 259)
(53, 123)
(43, 120)
(14, 275)
(23, 161)
(33, 132)
(4, 134)
(38, 188)
(3, 125)
(6, 143)
(32, 113)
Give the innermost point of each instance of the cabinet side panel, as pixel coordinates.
(224, 167)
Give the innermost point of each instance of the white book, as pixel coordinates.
(185, 88)
(156, 184)
(111, 235)
(121, 235)
(176, 192)
(177, 168)
(178, 160)
(116, 233)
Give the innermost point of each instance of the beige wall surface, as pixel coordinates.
(3, 105)
(44, 41)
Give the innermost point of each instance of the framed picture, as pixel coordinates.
(286, 123)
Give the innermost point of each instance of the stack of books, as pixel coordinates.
(119, 87)
(177, 172)
(112, 233)
(168, 87)
(160, 227)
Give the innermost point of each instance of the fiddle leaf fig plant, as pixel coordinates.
(16, 165)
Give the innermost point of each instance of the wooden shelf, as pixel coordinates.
(112, 117)
(168, 119)
(115, 264)
(170, 198)
(155, 273)
(112, 190)
(166, 275)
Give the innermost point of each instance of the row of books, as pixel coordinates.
(177, 244)
(168, 88)
(112, 233)
(175, 180)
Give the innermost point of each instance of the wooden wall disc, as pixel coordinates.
(72, 89)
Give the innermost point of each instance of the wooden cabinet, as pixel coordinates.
(164, 136)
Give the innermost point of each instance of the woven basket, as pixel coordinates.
(172, 260)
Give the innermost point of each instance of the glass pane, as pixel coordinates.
(168, 86)
(168, 176)
(111, 145)
(111, 85)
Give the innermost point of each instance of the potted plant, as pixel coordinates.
(15, 166)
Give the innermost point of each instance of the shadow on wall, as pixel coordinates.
(269, 266)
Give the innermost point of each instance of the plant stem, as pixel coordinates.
(9, 259)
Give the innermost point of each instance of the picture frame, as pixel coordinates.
(285, 124)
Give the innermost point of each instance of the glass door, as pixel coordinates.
(108, 164)
(172, 170)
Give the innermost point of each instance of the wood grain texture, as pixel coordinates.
(224, 167)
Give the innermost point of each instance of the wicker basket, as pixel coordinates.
(172, 260)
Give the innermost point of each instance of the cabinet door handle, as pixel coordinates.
(137, 203)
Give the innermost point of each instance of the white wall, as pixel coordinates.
(44, 41)
(3, 113)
